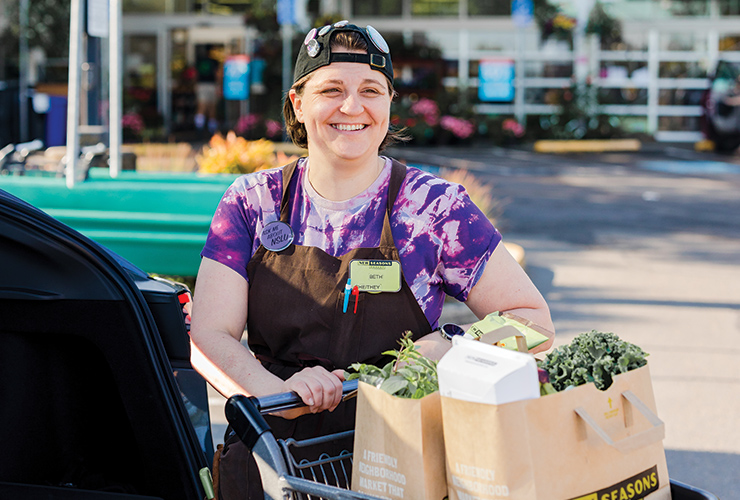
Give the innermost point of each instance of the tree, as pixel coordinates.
(48, 29)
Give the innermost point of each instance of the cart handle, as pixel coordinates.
(290, 400)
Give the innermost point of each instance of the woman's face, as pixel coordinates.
(345, 108)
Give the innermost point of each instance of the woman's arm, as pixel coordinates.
(504, 287)
(218, 319)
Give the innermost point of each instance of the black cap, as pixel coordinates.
(315, 50)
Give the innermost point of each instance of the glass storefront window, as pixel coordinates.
(555, 69)
(488, 8)
(434, 7)
(154, 6)
(660, 9)
(683, 42)
(448, 41)
(623, 96)
(729, 42)
(183, 77)
(487, 40)
(140, 78)
(676, 69)
(680, 123)
(376, 8)
(729, 7)
(634, 40)
(680, 97)
(220, 7)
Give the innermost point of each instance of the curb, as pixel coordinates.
(587, 145)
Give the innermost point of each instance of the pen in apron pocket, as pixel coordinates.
(356, 293)
(347, 290)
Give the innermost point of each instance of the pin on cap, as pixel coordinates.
(316, 51)
(313, 48)
(309, 36)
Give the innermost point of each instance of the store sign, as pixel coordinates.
(496, 80)
(522, 12)
(236, 78)
(286, 12)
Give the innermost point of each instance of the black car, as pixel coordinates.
(98, 399)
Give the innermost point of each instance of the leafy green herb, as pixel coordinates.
(409, 375)
(592, 357)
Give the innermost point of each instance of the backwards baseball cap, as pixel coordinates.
(316, 52)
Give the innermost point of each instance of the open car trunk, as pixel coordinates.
(97, 395)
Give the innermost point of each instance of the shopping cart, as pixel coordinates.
(323, 475)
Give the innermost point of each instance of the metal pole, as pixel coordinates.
(286, 30)
(23, 71)
(519, 65)
(115, 50)
(73, 92)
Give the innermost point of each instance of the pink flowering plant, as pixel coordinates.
(512, 128)
(133, 125)
(459, 127)
(255, 126)
(427, 110)
(273, 129)
(426, 122)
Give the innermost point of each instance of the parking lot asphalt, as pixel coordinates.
(643, 244)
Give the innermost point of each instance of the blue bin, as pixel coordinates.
(56, 121)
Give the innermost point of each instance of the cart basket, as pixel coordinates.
(322, 476)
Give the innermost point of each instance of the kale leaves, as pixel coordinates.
(592, 357)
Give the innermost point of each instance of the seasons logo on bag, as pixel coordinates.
(634, 488)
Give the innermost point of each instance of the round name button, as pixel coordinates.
(277, 236)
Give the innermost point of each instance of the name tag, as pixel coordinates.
(375, 276)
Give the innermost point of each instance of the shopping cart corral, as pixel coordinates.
(324, 475)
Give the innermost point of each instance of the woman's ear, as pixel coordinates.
(297, 103)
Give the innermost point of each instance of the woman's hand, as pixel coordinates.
(319, 389)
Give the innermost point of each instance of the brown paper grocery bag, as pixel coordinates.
(583, 444)
(399, 446)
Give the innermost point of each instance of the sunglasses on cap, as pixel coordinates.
(315, 51)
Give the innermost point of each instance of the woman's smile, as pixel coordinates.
(349, 128)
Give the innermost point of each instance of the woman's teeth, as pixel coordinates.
(349, 128)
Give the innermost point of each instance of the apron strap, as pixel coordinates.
(288, 171)
(398, 174)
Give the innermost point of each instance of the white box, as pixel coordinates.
(483, 373)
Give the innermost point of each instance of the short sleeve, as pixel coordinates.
(229, 238)
(468, 238)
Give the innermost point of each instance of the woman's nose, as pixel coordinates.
(351, 105)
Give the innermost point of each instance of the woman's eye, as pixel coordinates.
(330, 91)
(371, 91)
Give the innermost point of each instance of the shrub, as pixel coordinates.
(236, 155)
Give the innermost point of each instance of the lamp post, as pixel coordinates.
(23, 71)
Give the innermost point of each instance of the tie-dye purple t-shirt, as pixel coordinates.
(443, 239)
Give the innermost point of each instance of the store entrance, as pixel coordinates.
(198, 108)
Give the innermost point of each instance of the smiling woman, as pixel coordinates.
(342, 207)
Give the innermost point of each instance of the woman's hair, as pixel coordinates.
(349, 41)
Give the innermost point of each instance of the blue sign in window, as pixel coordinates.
(236, 78)
(496, 80)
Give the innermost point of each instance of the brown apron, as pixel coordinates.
(287, 337)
